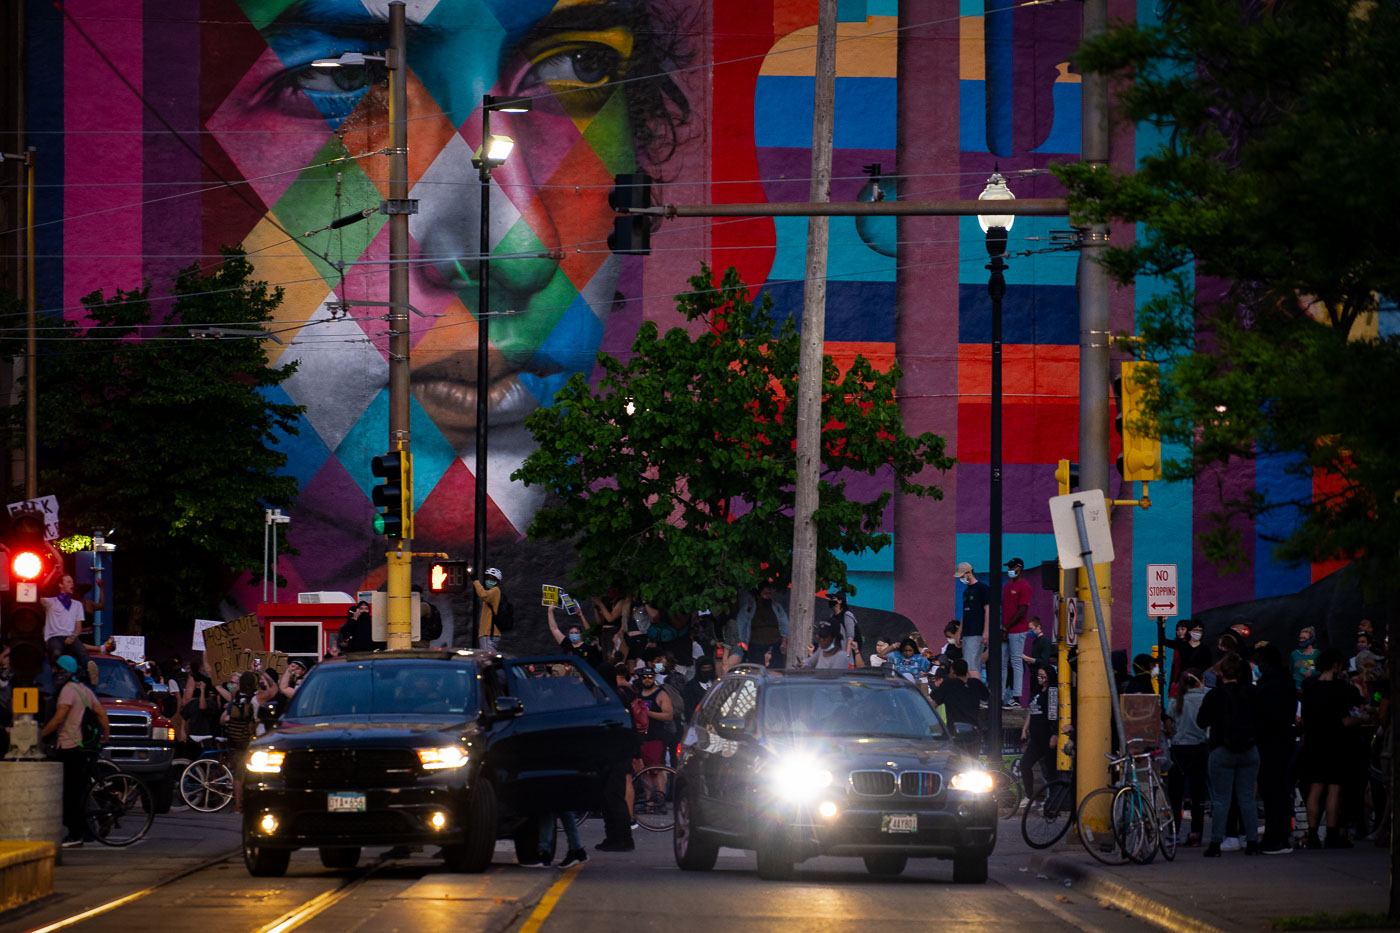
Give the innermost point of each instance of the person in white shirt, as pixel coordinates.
(63, 623)
(830, 655)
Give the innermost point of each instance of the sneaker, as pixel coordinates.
(1251, 848)
(615, 845)
(635, 825)
(546, 857)
(1025, 802)
(1313, 842)
(573, 857)
(71, 843)
(1281, 849)
(1231, 844)
(1213, 850)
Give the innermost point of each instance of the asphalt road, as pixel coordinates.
(187, 878)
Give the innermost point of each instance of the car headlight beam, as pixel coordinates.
(448, 756)
(976, 782)
(799, 778)
(266, 761)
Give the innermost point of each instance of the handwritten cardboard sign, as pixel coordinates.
(223, 645)
(200, 626)
(130, 647)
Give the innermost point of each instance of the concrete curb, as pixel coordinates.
(26, 873)
(1099, 885)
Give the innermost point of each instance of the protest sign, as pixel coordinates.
(130, 647)
(570, 604)
(199, 626)
(223, 644)
(549, 595)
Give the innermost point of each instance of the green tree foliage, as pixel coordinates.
(676, 476)
(167, 439)
(1265, 213)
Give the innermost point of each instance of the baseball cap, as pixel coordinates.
(493, 572)
(963, 568)
(298, 662)
(826, 630)
(1016, 562)
(67, 663)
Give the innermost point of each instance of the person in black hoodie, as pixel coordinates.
(1193, 652)
(1276, 738)
(1228, 711)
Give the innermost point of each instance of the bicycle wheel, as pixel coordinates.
(207, 785)
(119, 809)
(103, 769)
(654, 808)
(1048, 815)
(1165, 822)
(1006, 790)
(177, 768)
(1094, 823)
(1133, 824)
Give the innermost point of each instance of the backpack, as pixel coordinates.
(641, 715)
(241, 720)
(90, 728)
(505, 616)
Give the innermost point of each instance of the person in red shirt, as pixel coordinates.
(1016, 623)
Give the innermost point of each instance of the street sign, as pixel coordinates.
(1067, 529)
(1072, 622)
(1162, 600)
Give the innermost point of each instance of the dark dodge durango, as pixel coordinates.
(447, 748)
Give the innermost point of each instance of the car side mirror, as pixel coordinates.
(964, 735)
(508, 707)
(731, 728)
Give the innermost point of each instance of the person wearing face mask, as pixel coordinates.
(1038, 733)
(488, 592)
(1194, 653)
(1144, 670)
(1015, 622)
(1190, 752)
(571, 640)
(695, 689)
(762, 625)
(1304, 657)
(976, 615)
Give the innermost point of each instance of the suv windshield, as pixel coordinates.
(855, 709)
(116, 679)
(387, 690)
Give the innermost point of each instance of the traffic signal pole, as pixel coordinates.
(398, 207)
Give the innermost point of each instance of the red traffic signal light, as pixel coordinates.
(26, 566)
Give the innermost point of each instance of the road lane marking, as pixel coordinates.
(113, 905)
(546, 904)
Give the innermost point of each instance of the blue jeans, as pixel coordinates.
(1015, 644)
(972, 651)
(1232, 776)
(570, 829)
(78, 650)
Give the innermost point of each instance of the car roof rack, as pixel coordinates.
(751, 669)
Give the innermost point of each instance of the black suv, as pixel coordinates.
(448, 748)
(803, 763)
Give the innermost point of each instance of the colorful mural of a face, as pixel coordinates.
(310, 142)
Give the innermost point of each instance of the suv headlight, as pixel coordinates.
(448, 756)
(976, 782)
(266, 761)
(799, 778)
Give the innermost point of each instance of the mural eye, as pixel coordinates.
(584, 65)
(334, 92)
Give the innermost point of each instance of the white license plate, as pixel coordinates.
(899, 822)
(345, 803)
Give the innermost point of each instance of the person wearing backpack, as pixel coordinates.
(1228, 711)
(494, 610)
(82, 729)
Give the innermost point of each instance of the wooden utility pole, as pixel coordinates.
(809, 367)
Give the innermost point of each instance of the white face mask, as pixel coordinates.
(1195, 638)
(1012, 573)
(658, 668)
(1156, 671)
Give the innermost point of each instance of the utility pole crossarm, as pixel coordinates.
(1021, 207)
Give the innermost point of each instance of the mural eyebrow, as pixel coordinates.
(590, 17)
(330, 17)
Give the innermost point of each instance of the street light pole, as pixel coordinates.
(996, 228)
(494, 150)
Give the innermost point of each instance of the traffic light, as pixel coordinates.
(1066, 477)
(33, 565)
(631, 232)
(447, 575)
(1142, 445)
(395, 497)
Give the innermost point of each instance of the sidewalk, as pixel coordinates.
(1233, 893)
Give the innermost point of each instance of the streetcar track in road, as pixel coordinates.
(320, 903)
(135, 896)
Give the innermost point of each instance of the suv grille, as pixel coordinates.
(129, 724)
(920, 783)
(872, 783)
(350, 767)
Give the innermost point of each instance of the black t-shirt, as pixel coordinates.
(974, 603)
(961, 699)
(1040, 728)
(1325, 704)
(585, 650)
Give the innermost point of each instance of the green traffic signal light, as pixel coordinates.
(395, 496)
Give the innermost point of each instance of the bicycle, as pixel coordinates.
(654, 806)
(1047, 817)
(117, 808)
(1140, 822)
(206, 784)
